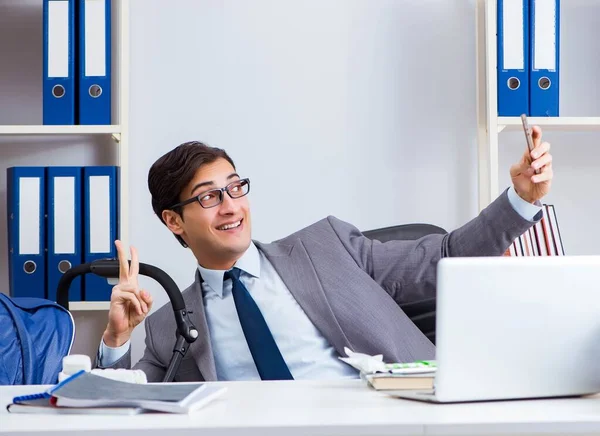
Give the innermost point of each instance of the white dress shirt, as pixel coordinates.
(306, 352)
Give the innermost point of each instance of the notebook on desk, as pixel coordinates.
(49, 409)
(515, 328)
(87, 390)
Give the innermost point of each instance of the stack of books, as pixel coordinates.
(543, 239)
(392, 376)
(384, 381)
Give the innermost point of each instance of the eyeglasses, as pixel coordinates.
(214, 197)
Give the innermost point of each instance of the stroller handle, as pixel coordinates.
(109, 268)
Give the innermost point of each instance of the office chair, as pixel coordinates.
(422, 313)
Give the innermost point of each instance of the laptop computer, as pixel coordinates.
(515, 328)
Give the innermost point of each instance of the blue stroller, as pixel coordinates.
(37, 333)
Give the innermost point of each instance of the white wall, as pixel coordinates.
(360, 109)
(364, 109)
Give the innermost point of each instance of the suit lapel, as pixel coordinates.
(295, 268)
(200, 349)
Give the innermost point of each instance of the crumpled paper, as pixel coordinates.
(364, 362)
(372, 364)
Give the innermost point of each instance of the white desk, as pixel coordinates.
(312, 408)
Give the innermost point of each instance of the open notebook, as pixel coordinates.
(87, 390)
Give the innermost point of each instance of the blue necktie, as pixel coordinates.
(266, 355)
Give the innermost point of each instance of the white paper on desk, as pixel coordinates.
(364, 362)
(372, 364)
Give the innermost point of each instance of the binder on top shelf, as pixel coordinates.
(94, 71)
(26, 237)
(513, 57)
(64, 228)
(544, 58)
(58, 96)
(100, 189)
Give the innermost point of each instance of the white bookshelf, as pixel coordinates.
(118, 132)
(489, 124)
(26, 130)
(78, 306)
(551, 123)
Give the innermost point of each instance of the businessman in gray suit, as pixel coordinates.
(287, 309)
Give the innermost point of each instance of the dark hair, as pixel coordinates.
(175, 170)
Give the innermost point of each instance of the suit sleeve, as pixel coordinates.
(407, 269)
(107, 356)
(149, 362)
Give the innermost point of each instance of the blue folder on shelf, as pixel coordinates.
(94, 72)
(544, 54)
(100, 215)
(513, 57)
(26, 236)
(64, 228)
(59, 62)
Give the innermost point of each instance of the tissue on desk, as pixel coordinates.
(364, 362)
(74, 363)
(371, 364)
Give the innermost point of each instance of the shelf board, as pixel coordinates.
(551, 123)
(59, 130)
(78, 306)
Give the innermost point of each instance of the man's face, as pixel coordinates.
(219, 235)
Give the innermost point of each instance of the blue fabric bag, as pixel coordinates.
(35, 335)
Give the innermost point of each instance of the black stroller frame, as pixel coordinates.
(186, 332)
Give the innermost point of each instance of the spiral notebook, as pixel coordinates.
(87, 390)
(52, 410)
(42, 398)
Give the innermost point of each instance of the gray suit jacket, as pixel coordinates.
(349, 287)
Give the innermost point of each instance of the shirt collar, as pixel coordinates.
(248, 263)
